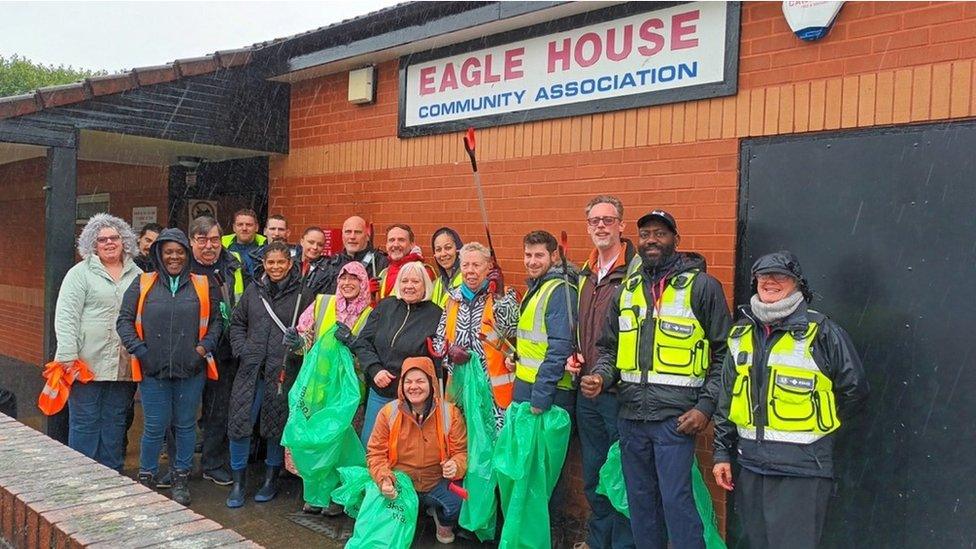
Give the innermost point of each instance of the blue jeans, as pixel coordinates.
(596, 423)
(167, 402)
(374, 403)
(445, 503)
(657, 461)
(240, 448)
(96, 420)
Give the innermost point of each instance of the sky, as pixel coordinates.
(112, 36)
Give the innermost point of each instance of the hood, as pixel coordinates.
(156, 250)
(426, 365)
(677, 263)
(556, 271)
(783, 262)
(457, 244)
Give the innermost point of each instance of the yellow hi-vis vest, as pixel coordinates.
(800, 407)
(238, 279)
(325, 315)
(681, 351)
(533, 339)
(228, 239)
(438, 294)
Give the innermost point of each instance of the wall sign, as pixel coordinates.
(616, 58)
(202, 207)
(142, 216)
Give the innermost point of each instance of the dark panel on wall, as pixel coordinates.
(883, 223)
(232, 184)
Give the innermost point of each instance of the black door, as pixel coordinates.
(232, 184)
(884, 224)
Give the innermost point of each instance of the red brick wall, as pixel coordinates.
(22, 237)
(883, 63)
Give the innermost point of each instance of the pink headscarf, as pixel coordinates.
(348, 311)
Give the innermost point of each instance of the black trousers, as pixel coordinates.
(781, 512)
(213, 420)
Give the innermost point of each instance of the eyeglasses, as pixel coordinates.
(607, 220)
(203, 240)
(106, 239)
(779, 278)
(657, 234)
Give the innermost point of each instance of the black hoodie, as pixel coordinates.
(170, 319)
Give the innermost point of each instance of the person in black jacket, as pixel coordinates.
(148, 235)
(791, 377)
(662, 347)
(356, 247)
(399, 327)
(263, 337)
(171, 356)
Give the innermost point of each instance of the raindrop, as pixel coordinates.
(907, 326)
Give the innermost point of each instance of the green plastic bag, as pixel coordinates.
(352, 488)
(470, 391)
(612, 486)
(384, 523)
(529, 456)
(319, 430)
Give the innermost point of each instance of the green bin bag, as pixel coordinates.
(469, 389)
(529, 456)
(321, 405)
(352, 488)
(386, 523)
(613, 488)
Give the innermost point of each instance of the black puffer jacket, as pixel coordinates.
(837, 358)
(257, 342)
(374, 261)
(652, 402)
(394, 331)
(170, 321)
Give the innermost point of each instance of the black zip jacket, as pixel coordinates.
(221, 275)
(834, 353)
(374, 261)
(395, 330)
(652, 402)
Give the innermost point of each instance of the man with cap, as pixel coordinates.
(790, 378)
(663, 348)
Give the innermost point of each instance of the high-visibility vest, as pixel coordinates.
(533, 338)
(439, 293)
(238, 280)
(229, 239)
(799, 398)
(325, 315)
(501, 379)
(442, 415)
(632, 267)
(680, 355)
(201, 285)
(54, 394)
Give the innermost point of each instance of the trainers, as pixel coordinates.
(181, 488)
(310, 509)
(444, 534)
(148, 480)
(218, 476)
(165, 481)
(333, 510)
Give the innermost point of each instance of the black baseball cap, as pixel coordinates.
(659, 215)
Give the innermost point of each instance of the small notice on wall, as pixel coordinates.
(142, 216)
(202, 207)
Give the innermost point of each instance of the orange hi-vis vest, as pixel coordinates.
(202, 286)
(54, 395)
(501, 378)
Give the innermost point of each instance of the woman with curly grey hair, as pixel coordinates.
(84, 322)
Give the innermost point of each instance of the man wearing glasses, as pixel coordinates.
(663, 347)
(610, 262)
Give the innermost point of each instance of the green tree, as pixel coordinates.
(21, 75)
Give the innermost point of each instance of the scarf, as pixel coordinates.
(771, 313)
(394, 268)
(348, 310)
(468, 294)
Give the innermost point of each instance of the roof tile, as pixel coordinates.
(113, 83)
(197, 65)
(234, 58)
(18, 105)
(147, 76)
(55, 96)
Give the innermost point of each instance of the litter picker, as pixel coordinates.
(469, 147)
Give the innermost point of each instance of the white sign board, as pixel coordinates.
(621, 62)
(142, 216)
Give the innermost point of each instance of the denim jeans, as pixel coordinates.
(168, 402)
(596, 423)
(240, 448)
(657, 462)
(374, 403)
(445, 503)
(96, 420)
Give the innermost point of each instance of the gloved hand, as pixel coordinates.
(140, 351)
(496, 281)
(344, 334)
(292, 340)
(458, 355)
(374, 286)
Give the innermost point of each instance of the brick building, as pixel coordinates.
(812, 146)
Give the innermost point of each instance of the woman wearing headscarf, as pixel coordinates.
(791, 377)
(84, 322)
(446, 244)
(268, 309)
(401, 326)
(170, 322)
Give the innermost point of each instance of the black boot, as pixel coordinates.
(270, 488)
(147, 479)
(236, 497)
(181, 488)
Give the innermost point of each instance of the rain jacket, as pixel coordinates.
(85, 318)
(654, 402)
(394, 331)
(221, 274)
(418, 451)
(594, 300)
(543, 393)
(170, 320)
(374, 261)
(834, 352)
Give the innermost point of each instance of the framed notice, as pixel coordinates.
(198, 208)
(624, 56)
(142, 216)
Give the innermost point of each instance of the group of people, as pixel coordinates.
(638, 346)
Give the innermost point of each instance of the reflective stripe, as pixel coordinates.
(530, 362)
(503, 379)
(780, 436)
(662, 379)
